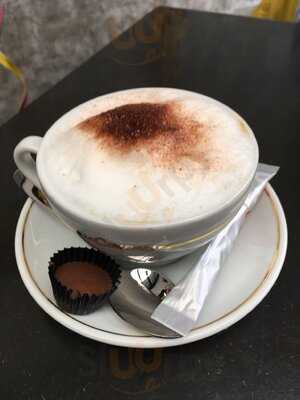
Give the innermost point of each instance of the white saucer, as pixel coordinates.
(244, 281)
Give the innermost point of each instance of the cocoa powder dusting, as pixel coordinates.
(158, 128)
(134, 122)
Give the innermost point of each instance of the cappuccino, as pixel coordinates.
(148, 156)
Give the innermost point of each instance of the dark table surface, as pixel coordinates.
(254, 67)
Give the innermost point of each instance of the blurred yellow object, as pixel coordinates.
(281, 10)
(9, 65)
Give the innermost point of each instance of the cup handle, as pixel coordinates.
(26, 176)
(24, 160)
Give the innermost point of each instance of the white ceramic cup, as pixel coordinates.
(152, 244)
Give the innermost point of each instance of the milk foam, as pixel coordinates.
(130, 188)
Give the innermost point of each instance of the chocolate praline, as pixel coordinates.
(83, 277)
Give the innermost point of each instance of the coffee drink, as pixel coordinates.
(149, 156)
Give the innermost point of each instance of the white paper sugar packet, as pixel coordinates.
(180, 309)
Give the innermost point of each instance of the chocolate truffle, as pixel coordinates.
(82, 279)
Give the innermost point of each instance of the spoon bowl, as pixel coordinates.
(140, 291)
